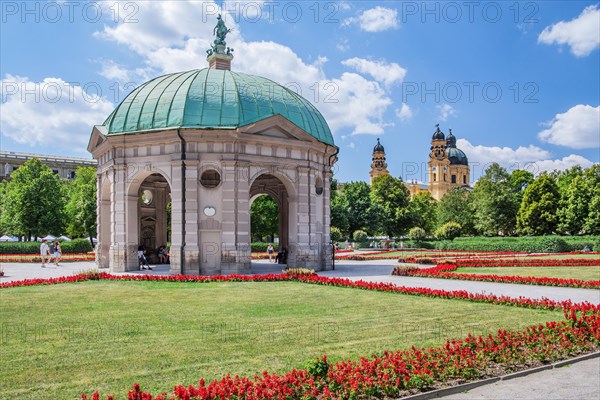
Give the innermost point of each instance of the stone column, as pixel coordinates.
(121, 252)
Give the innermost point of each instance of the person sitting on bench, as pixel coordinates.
(281, 257)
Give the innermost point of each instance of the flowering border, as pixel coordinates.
(35, 258)
(446, 271)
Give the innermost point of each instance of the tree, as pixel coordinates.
(81, 204)
(537, 214)
(592, 179)
(392, 198)
(448, 231)
(495, 203)
(417, 234)
(339, 210)
(574, 206)
(264, 217)
(423, 211)
(519, 180)
(456, 206)
(362, 215)
(33, 203)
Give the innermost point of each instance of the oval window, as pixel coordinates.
(147, 197)
(210, 179)
(319, 186)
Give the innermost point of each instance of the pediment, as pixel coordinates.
(98, 137)
(278, 126)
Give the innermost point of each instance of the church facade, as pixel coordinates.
(447, 168)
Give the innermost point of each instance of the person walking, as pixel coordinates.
(44, 253)
(270, 251)
(57, 252)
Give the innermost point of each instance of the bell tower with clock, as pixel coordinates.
(379, 166)
(439, 164)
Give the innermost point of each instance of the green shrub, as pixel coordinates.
(74, 246)
(596, 245)
(553, 244)
(448, 231)
(529, 244)
(360, 236)
(417, 234)
(259, 246)
(77, 246)
(335, 234)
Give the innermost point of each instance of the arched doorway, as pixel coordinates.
(103, 222)
(267, 184)
(153, 216)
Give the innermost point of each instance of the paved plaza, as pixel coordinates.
(577, 381)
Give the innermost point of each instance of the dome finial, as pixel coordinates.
(378, 147)
(220, 56)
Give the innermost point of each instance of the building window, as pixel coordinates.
(71, 174)
(444, 177)
(453, 178)
(147, 197)
(55, 171)
(464, 179)
(210, 179)
(434, 177)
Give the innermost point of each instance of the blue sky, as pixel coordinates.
(517, 82)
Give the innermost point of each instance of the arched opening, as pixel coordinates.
(153, 206)
(277, 195)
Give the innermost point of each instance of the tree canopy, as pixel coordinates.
(33, 203)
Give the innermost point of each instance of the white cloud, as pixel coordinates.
(351, 145)
(404, 113)
(530, 158)
(381, 71)
(51, 112)
(582, 34)
(446, 111)
(578, 128)
(376, 19)
(561, 164)
(343, 45)
(167, 45)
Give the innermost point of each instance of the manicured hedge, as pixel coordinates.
(74, 246)
(260, 246)
(531, 244)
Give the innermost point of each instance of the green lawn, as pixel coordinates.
(61, 340)
(585, 273)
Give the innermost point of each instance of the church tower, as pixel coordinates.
(439, 181)
(379, 166)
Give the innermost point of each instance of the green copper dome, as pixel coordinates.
(213, 99)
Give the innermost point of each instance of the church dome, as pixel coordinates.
(438, 134)
(457, 156)
(378, 148)
(212, 99)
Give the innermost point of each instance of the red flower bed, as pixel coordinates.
(525, 262)
(343, 251)
(392, 373)
(35, 258)
(446, 271)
